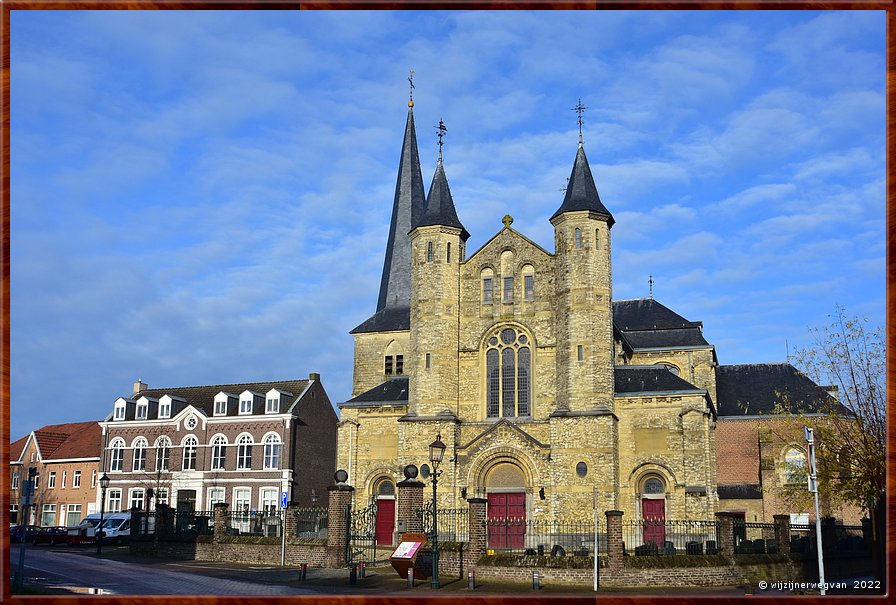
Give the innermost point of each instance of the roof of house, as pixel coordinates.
(63, 441)
(440, 208)
(646, 379)
(756, 388)
(203, 397)
(644, 323)
(387, 319)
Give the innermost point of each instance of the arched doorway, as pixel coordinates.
(385, 512)
(506, 488)
(653, 509)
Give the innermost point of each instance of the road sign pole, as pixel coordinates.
(813, 487)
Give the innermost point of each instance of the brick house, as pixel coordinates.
(242, 444)
(66, 459)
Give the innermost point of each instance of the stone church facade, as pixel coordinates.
(546, 391)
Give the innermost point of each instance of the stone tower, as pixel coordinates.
(583, 295)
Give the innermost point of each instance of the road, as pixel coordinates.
(79, 570)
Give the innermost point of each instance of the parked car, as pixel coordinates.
(51, 536)
(16, 531)
(116, 528)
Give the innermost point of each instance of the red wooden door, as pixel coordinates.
(385, 521)
(507, 520)
(653, 513)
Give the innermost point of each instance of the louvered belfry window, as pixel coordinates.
(508, 374)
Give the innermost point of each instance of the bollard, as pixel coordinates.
(410, 577)
(363, 571)
(471, 579)
(536, 581)
(304, 570)
(353, 575)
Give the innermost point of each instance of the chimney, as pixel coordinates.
(140, 386)
(314, 377)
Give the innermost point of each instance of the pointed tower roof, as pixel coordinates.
(581, 192)
(393, 308)
(440, 205)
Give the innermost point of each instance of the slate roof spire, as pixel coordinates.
(581, 192)
(407, 207)
(439, 203)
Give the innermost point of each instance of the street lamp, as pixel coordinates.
(436, 452)
(104, 485)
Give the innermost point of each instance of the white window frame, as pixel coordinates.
(93, 479)
(268, 497)
(163, 443)
(221, 405)
(272, 407)
(73, 508)
(142, 412)
(120, 410)
(244, 445)
(246, 405)
(272, 450)
(48, 509)
(15, 481)
(190, 444)
(165, 407)
(219, 462)
(64, 478)
(113, 496)
(140, 445)
(216, 495)
(51, 482)
(76, 479)
(133, 494)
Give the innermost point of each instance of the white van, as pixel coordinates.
(116, 527)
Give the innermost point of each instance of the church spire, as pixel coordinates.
(581, 192)
(439, 203)
(395, 286)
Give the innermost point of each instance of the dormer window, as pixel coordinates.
(142, 409)
(246, 406)
(165, 407)
(272, 405)
(221, 404)
(119, 412)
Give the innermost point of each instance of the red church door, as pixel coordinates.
(653, 513)
(385, 521)
(507, 520)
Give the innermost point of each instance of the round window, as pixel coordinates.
(581, 469)
(424, 471)
(508, 336)
(653, 486)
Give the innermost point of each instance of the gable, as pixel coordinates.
(508, 239)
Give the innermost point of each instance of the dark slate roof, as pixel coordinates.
(647, 314)
(754, 389)
(203, 397)
(440, 205)
(743, 491)
(687, 337)
(581, 192)
(394, 391)
(386, 320)
(647, 379)
(407, 208)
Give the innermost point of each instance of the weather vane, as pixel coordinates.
(580, 109)
(650, 284)
(442, 130)
(411, 82)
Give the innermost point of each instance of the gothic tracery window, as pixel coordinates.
(508, 361)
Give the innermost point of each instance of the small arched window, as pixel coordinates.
(163, 453)
(596, 238)
(189, 458)
(578, 238)
(385, 488)
(272, 451)
(429, 252)
(448, 253)
(116, 457)
(140, 445)
(219, 445)
(653, 486)
(244, 451)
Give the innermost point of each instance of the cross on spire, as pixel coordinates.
(442, 130)
(411, 82)
(650, 285)
(580, 109)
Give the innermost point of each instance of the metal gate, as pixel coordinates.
(360, 538)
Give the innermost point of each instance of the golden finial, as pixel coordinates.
(507, 220)
(411, 82)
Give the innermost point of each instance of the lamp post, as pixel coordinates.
(436, 452)
(104, 485)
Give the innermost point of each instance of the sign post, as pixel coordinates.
(596, 564)
(813, 487)
(284, 497)
(26, 497)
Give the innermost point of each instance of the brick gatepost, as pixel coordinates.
(409, 500)
(221, 512)
(340, 501)
(783, 523)
(615, 552)
(476, 518)
(726, 533)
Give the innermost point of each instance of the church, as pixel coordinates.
(549, 394)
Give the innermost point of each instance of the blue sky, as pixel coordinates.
(203, 197)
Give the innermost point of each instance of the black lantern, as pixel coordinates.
(436, 453)
(97, 533)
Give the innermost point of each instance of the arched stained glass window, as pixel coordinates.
(508, 361)
(653, 486)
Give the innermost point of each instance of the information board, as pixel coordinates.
(406, 550)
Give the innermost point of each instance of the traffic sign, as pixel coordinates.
(283, 499)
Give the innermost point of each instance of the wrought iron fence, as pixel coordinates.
(544, 537)
(267, 523)
(360, 536)
(670, 537)
(849, 538)
(143, 523)
(310, 522)
(802, 538)
(755, 538)
(453, 523)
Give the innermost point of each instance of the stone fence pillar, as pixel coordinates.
(339, 506)
(615, 552)
(476, 519)
(783, 523)
(726, 533)
(221, 512)
(409, 500)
